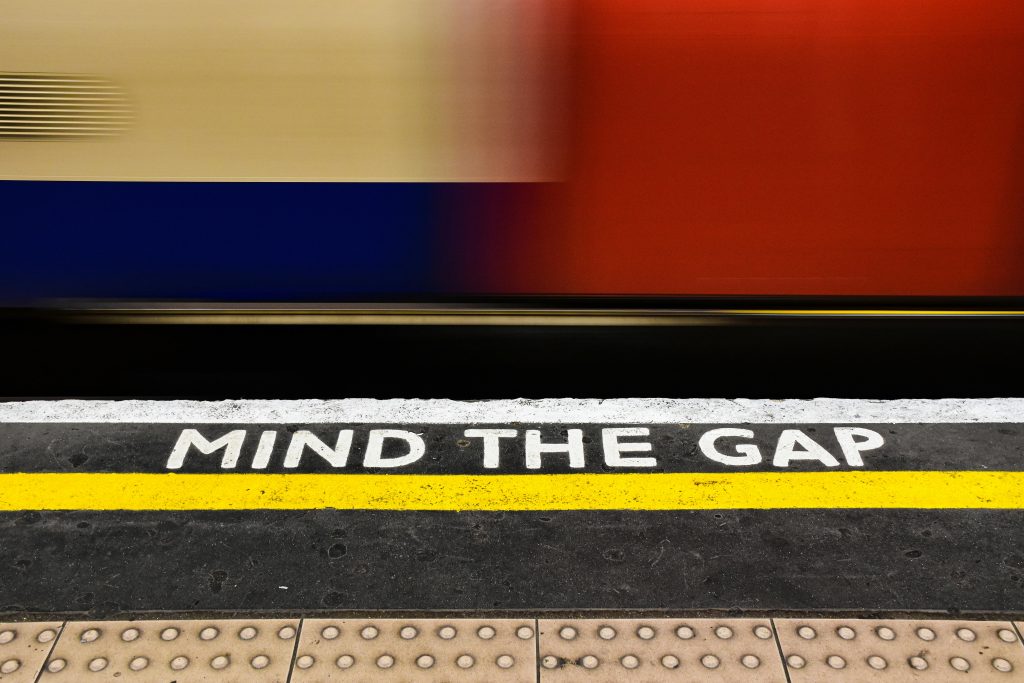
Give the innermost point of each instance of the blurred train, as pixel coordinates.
(426, 150)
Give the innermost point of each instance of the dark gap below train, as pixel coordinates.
(774, 358)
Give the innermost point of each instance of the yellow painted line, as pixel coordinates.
(656, 491)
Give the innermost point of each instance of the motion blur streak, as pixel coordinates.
(394, 90)
(639, 147)
(860, 147)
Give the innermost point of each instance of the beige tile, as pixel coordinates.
(451, 650)
(655, 650)
(900, 650)
(183, 651)
(23, 649)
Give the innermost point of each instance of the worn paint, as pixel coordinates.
(560, 411)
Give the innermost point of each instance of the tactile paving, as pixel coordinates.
(23, 649)
(900, 650)
(452, 650)
(183, 651)
(655, 650)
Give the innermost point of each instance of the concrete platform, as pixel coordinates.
(535, 509)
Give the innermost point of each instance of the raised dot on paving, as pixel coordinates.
(225, 650)
(1002, 665)
(846, 633)
(416, 650)
(657, 650)
(959, 663)
(24, 648)
(899, 649)
(711, 661)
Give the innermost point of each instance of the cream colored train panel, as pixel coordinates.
(277, 89)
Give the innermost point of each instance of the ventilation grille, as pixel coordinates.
(60, 106)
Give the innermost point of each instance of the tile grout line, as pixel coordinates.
(537, 648)
(46, 660)
(295, 649)
(778, 646)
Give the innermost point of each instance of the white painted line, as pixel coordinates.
(563, 411)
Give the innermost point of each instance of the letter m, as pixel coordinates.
(230, 442)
